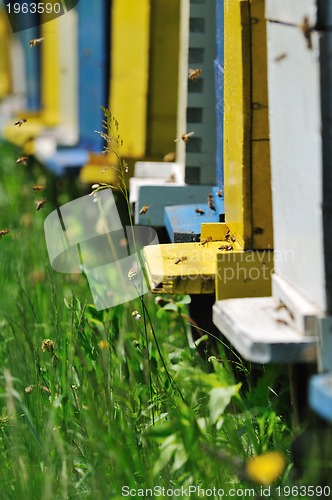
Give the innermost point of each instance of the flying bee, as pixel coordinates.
(144, 209)
(136, 315)
(184, 137)
(35, 41)
(3, 232)
(40, 204)
(193, 74)
(180, 259)
(225, 247)
(38, 187)
(209, 238)
(220, 193)
(104, 169)
(20, 122)
(23, 160)
(199, 211)
(169, 156)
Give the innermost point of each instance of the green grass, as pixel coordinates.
(110, 401)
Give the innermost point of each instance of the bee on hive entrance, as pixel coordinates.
(211, 202)
(193, 74)
(35, 41)
(199, 211)
(144, 209)
(40, 204)
(209, 238)
(3, 232)
(225, 247)
(20, 122)
(180, 259)
(184, 137)
(229, 236)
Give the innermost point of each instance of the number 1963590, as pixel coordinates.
(35, 8)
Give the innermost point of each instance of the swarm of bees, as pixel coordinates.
(3, 232)
(211, 202)
(193, 74)
(181, 259)
(40, 204)
(35, 41)
(144, 209)
(184, 137)
(20, 122)
(204, 242)
(23, 160)
(199, 211)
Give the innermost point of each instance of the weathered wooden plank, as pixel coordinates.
(158, 197)
(296, 158)
(320, 395)
(93, 60)
(183, 223)
(237, 118)
(292, 11)
(129, 70)
(243, 274)
(317, 12)
(252, 326)
(195, 273)
(163, 77)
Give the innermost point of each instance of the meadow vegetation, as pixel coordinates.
(95, 401)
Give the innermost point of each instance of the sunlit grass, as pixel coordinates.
(93, 401)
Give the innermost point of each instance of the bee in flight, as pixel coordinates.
(209, 238)
(20, 122)
(199, 211)
(3, 232)
(104, 169)
(193, 74)
(38, 187)
(23, 160)
(184, 137)
(35, 41)
(169, 156)
(144, 209)
(220, 193)
(180, 259)
(40, 204)
(136, 315)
